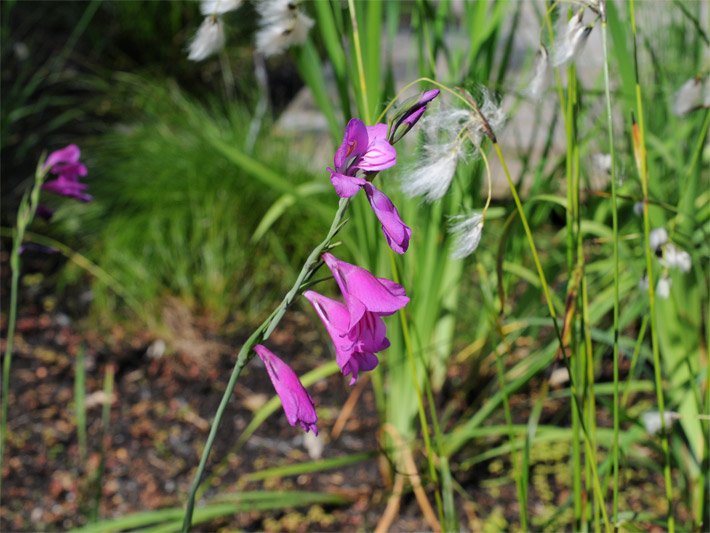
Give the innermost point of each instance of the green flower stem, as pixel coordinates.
(245, 354)
(25, 215)
(643, 172)
(615, 259)
(548, 299)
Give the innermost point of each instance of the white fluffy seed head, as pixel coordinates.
(663, 287)
(468, 230)
(602, 162)
(208, 39)
(432, 176)
(693, 94)
(674, 257)
(492, 112)
(282, 26)
(537, 85)
(657, 238)
(218, 7)
(651, 420)
(571, 42)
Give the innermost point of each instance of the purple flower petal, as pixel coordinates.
(70, 171)
(353, 146)
(296, 401)
(411, 119)
(396, 232)
(69, 188)
(68, 154)
(354, 347)
(363, 291)
(345, 186)
(379, 156)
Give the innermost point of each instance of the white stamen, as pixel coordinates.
(208, 39)
(468, 230)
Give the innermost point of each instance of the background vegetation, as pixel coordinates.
(191, 216)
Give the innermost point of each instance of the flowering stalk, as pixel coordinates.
(246, 353)
(639, 142)
(25, 216)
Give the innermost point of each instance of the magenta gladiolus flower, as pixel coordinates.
(66, 166)
(66, 156)
(354, 347)
(364, 148)
(296, 401)
(396, 231)
(364, 292)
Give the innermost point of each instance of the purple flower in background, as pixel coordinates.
(296, 401)
(68, 155)
(66, 166)
(354, 347)
(364, 292)
(364, 148)
(396, 231)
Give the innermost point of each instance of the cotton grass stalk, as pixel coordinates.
(208, 40)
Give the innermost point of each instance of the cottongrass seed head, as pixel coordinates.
(282, 25)
(468, 230)
(450, 133)
(537, 85)
(218, 7)
(694, 94)
(208, 40)
(571, 42)
(663, 287)
(432, 175)
(674, 257)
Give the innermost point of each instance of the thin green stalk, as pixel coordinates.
(105, 441)
(358, 59)
(25, 215)
(615, 260)
(571, 215)
(90, 267)
(415, 381)
(245, 354)
(80, 401)
(643, 171)
(553, 315)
